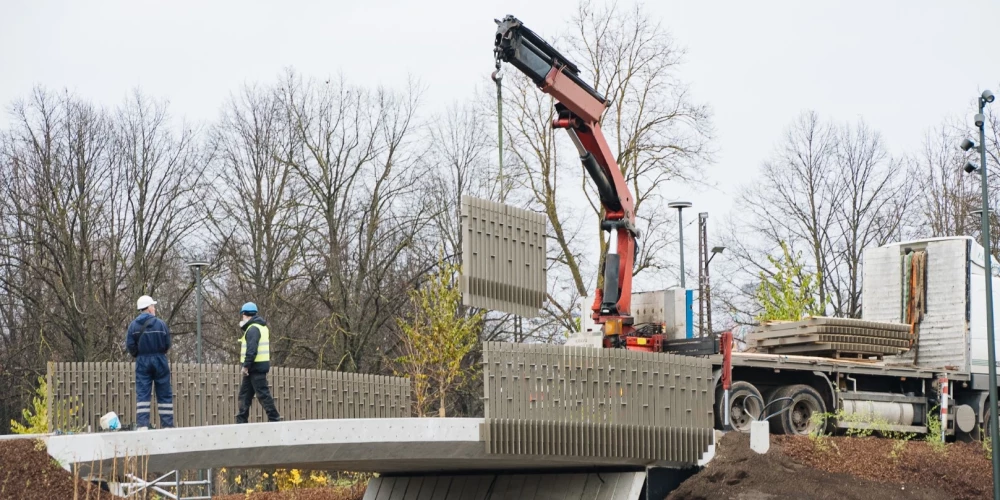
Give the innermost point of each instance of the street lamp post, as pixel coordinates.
(980, 119)
(197, 265)
(680, 206)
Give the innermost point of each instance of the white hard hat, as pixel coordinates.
(144, 302)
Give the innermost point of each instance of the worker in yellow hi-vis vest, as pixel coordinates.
(255, 355)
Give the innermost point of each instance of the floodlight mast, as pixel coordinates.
(579, 108)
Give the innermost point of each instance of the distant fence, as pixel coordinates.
(80, 393)
(557, 400)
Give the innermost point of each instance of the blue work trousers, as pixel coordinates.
(153, 369)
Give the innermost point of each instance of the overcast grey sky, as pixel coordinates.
(902, 65)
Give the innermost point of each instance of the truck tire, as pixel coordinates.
(798, 420)
(739, 393)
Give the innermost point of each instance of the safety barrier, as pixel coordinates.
(80, 393)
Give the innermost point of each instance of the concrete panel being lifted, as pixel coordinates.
(503, 257)
(387, 445)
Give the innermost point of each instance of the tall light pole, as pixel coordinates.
(984, 99)
(197, 265)
(680, 206)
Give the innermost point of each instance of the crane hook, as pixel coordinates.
(497, 75)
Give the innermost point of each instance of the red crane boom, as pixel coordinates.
(579, 108)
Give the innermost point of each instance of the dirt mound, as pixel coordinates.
(739, 473)
(27, 471)
(356, 492)
(963, 470)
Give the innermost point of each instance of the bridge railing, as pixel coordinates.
(80, 393)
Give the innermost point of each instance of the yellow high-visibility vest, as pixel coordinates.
(263, 348)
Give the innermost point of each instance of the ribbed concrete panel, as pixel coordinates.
(97, 388)
(579, 486)
(579, 401)
(503, 257)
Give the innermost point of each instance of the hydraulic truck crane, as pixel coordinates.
(579, 108)
(942, 374)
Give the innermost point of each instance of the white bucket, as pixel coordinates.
(110, 422)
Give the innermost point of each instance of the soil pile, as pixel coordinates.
(961, 470)
(738, 473)
(27, 471)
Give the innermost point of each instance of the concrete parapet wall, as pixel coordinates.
(93, 389)
(556, 400)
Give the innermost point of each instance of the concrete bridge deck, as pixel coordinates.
(384, 445)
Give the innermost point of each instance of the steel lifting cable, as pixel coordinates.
(497, 77)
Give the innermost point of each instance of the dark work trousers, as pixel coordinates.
(150, 370)
(256, 384)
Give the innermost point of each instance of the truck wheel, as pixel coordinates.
(739, 393)
(797, 420)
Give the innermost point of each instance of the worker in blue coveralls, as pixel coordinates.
(148, 341)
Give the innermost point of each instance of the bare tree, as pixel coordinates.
(360, 170)
(466, 160)
(157, 192)
(255, 218)
(58, 152)
(794, 200)
(656, 132)
(874, 195)
(829, 190)
(950, 195)
(659, 135)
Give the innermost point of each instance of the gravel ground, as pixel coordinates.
(739, 473)
(27, 471)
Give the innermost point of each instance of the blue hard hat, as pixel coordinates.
(249, 307)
